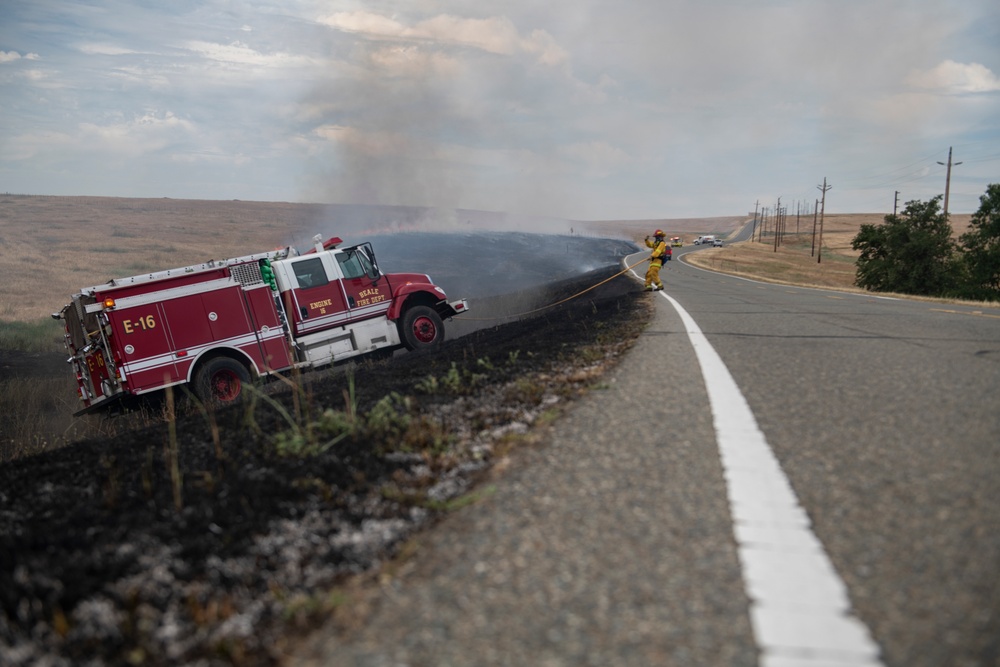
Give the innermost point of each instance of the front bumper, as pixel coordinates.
(448, 309)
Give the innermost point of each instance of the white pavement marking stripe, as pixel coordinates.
(799, 608)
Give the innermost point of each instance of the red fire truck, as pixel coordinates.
(221, 324)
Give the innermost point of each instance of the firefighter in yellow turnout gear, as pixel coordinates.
(656, 260)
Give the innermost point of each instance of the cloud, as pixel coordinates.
(409, 61)
(240, 54)
(92, 49)
(495, 34)
(951, 77)
(13, 56)
(150, 78)
(366, 23)
(151, 131)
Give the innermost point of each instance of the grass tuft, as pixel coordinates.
(43, 335)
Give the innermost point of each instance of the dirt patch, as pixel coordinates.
(199, 540)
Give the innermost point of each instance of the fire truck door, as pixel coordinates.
(317, 299)
(368, 292)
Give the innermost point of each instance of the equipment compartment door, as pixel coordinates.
(274, 350)
(143, 336)
(97, 369)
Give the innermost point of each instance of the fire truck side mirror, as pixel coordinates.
(371, 266)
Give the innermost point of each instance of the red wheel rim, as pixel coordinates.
(424, 330)
(226, 385)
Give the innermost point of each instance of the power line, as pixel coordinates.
(888, 175)
(906, 173)
(984, 158)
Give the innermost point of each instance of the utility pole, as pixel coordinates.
(781, 222)
(754, 230)
(777, 225)
(812, 253)
(783, 213)
(819, 250)
(947, 182)
(895, 203)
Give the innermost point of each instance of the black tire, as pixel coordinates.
(421, 328)
(221, 381)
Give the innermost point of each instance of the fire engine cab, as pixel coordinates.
(219, 325)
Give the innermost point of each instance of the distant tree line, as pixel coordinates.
(913, 252)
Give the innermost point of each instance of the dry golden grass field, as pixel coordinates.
(50, 247)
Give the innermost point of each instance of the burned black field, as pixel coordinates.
(215, 538)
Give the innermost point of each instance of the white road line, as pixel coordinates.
(799, 607)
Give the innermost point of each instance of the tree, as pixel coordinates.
(981, 246)
(911, 253)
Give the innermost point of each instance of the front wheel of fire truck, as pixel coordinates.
(221, 381)
(421, 328)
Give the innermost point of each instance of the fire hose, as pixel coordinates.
(561, 301)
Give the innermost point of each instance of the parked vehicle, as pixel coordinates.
(717, 243)
(676, 242)
(218, 325)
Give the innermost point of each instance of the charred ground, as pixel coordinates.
(212, 538)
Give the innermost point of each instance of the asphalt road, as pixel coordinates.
(867, 428)
(885, 417)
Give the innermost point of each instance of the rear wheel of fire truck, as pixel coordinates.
(421, 328)
(221, 381)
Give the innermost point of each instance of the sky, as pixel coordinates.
(582, 109)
